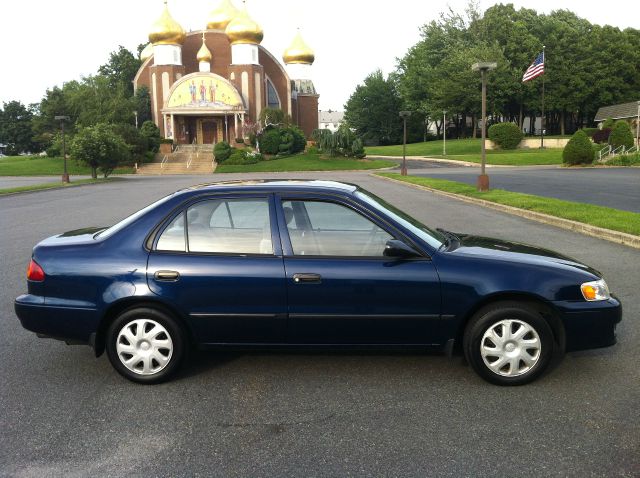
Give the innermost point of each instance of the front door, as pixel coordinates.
(209, 131)
(341, 289)
(219, 262)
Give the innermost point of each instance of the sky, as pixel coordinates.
(45, 43)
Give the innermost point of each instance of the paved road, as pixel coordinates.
(64, 412)
(613, 187)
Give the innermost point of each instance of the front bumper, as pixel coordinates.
(590, 325)
(71, 324)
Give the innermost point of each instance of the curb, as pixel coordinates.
(599, 232)
(453, 162)
(54, 188)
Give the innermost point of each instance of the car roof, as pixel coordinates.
(272, 185)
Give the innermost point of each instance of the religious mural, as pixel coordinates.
(204, 91)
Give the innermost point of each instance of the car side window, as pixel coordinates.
(320, 228)
(173, 238)
(231, 226)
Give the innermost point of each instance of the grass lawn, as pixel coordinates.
(43, 166)
(305, 162)
(39, 187)
(469, 150)
(600, 216)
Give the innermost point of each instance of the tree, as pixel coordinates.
(15, 128)
(373, 110)
(273, 116)
(121, 69)
(99, 147)
(621, 135)
(151, 133)
(142, 102)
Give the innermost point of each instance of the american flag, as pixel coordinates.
(536, 69)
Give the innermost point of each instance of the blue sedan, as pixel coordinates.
(313, 264)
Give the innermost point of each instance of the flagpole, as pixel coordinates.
(542, 119)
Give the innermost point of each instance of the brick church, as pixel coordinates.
(210, 85)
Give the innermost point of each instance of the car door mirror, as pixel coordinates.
(397, 248)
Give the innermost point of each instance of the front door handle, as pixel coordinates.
(307, 278)
(167, 276)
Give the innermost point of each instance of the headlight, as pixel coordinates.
(595, 290)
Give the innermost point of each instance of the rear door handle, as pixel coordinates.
(167, 276)
(307, 278)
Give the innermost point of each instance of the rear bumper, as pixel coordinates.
(590, 325)
(71, 324)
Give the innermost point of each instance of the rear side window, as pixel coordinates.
(231, 226)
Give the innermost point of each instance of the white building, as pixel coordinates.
(330, 120)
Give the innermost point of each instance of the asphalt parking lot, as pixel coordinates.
(618, 188)
(63, 412)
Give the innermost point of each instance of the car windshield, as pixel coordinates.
(110, 231)
(431, 237)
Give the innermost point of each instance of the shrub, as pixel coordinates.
(608, 123)
(313, 150)
(590, 131)
(621, 135)
(357, 149)
(151, 133)
(602, 136)
(299, 139)
(269, 141)
(240, 140)
(137, 143)
(578, 150)
(252, 139)
(222, 151)
(242, 157)
(506, 135)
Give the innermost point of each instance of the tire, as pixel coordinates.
(145, 345)
(508, 343)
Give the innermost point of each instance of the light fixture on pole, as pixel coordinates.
(483, 68)
(404, 115)
(135, 113)
(65, 174)
(444, 132)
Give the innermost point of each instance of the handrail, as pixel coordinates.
(618, 150)
(189, 160)
(164, 161)
(632, 149)
(608, 151)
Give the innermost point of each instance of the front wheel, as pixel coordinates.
(508, 343)
(145, 345)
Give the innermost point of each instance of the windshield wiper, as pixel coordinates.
(453, 241)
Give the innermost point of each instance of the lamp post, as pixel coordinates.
(135, 113)
(483, 68)
(404, 115)
(444, 132)
(65, 174)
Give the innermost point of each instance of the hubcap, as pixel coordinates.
(510, 348)
(144, 346)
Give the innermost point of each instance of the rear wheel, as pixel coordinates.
(508, 343)
(145, 345)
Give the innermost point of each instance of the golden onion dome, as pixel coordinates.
(166, 31)
(298, 52)
(146, 52)
(221, 16)
(204, 54)
(243, 29)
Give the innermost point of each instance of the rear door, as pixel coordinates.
(219, 261)
(342, 289)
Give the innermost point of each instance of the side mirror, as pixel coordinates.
(396, 248)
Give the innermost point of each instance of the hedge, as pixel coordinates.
(506, 135)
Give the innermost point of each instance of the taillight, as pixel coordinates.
(35, 272)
